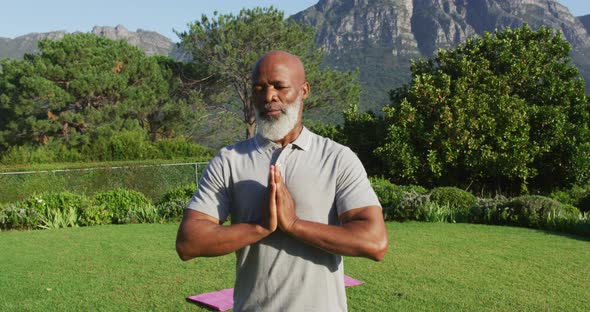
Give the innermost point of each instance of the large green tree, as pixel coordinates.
(506, 111)
(85, 86)
(229, 45)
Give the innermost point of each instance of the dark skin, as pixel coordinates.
(278, 79)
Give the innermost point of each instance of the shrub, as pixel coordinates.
(577, 196)
(389, 196)
(145, 214)
(490, 210)
(397, 201)
(182, 148)
(413, 206)
(124, 145)
(433, 212)
(400, 203)
(534, 210)
(458, 200)
(53, 151)
(45, 210)
(96, 215)
(58, 218)
(171, 206)
(122, 203)
(13, 217)
(56, 210)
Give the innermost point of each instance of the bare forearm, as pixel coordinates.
(201, 238)
(358, 238)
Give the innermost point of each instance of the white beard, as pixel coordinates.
(275, 129)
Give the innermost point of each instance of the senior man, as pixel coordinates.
(297, 202)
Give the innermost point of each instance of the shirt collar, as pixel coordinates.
(302, 142)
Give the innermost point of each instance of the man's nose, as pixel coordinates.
(270, 94)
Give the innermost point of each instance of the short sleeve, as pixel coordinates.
(212, 197)
(353, 189)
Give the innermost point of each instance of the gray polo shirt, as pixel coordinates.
(281, 273)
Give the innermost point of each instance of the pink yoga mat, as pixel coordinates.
(223, 300)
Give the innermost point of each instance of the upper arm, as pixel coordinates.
(212, 197)
(353, 189)
(191, 215)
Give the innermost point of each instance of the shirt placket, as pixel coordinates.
(280, 156)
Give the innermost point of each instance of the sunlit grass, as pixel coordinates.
(429, 266)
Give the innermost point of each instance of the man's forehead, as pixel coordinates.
(279, 63)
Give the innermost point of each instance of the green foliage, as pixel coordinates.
(535, 211)
(490, 210)
(363, 133)
(577, 196)
(96, 215)
(53, 151)
(400, 203)
(126, 206)
(229, 45)
(84, 89)
(64, 209)
(15, 217)
(171, 206)
(58, 218)
(531, 211)
(145, 214)
(506, 111)
(45, 210)
(182, 147)
(434, 212)
(123, 145)
(449, 204)
(460, 202)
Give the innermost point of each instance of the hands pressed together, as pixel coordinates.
(281, 207)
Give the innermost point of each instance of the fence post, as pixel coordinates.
(197, 173)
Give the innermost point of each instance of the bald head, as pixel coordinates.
(280, 58)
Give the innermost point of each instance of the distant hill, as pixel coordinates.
(585, 20)
(151, 42)
(17, 47)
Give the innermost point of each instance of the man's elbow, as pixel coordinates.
(182, 251)
(379, 249)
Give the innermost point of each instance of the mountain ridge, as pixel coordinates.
(380, 37)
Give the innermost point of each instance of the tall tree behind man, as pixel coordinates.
(230, 44)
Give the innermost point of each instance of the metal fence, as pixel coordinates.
(152, 180)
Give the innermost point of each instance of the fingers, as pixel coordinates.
(278, 178)
(272, 201)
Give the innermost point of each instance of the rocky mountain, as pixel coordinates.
(380, 36)
(151, 42)
(17, 47)
(585, 20)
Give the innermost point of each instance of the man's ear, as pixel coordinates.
(305, 88)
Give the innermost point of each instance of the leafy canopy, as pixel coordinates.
(83, 87)
(502, 112)
(229, 45)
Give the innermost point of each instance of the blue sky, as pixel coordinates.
(20, 17)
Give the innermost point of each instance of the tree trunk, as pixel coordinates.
(249, 118)
(250, 130)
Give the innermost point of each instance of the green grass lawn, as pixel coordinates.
(429, 266)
